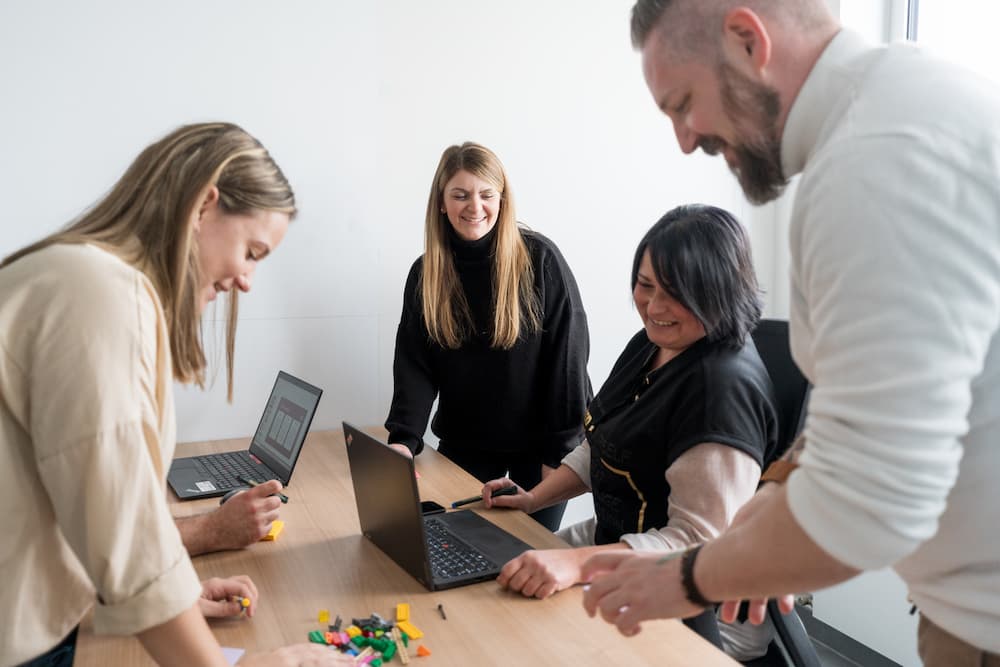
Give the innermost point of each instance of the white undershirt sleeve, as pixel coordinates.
(708, 484)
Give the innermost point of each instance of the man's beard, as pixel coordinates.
(753, 109)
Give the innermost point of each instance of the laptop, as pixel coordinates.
(439, 550)
(273, 451)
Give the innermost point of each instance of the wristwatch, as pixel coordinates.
(691, 591)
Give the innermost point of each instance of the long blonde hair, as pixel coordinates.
(515, 304)
(146, 219)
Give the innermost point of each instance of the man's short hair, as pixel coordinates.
(696, 25)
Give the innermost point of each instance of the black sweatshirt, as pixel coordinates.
(529, 398)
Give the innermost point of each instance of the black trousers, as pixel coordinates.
(522, 467)
(60, 656)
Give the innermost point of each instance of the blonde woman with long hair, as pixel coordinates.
(493, 328)
(96, 322)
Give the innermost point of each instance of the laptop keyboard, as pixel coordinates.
(226, 467)
(450, 557)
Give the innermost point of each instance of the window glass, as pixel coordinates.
(963, 31)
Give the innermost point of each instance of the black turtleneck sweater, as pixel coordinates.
(529, 398)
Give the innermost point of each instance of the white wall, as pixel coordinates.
(356, 101)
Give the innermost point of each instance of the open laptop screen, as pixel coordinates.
(285, 423)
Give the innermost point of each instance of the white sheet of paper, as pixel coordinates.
(232, 654)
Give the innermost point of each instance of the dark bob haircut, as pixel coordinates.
(701, 257)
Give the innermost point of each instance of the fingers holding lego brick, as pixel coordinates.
(247, 516)
(232, 596)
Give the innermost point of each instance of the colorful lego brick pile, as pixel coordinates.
(373, 640)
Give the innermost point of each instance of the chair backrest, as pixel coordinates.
(790, 387)
(792, 392)
(798, 649)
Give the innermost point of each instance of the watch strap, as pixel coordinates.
(691, 591)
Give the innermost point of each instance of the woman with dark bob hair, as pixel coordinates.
(676, 437)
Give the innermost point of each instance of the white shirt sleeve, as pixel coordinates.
(578, 461)
(708, 484)
(895, 298)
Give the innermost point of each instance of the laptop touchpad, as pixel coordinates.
(490, 539)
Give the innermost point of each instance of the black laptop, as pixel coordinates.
(439, 550)
(273, 451)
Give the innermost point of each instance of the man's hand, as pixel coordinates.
(221, 597)
(756, 609)
(541, 573)
(621, 577)
(522, 500)
(241, 521)
(628, 587)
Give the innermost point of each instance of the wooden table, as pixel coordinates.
(321, 561)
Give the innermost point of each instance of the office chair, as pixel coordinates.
(790, 386)
(792, 392)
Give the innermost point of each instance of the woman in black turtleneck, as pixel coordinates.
(493, 327)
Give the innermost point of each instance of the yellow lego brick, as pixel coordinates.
(276, 527)
(402, 612)
(323, 616)
(411, 630)
(353, 631)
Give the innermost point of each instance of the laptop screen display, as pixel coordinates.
(285, 423)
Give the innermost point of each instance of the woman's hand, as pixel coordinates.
(541, 573)
(298, 655)
(220, 598)
(522, 500)
(402, 449)
(246, 517)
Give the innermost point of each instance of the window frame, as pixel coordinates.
(912, 19)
